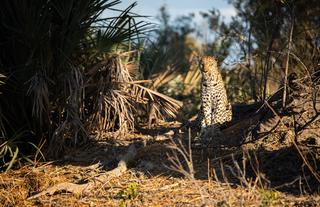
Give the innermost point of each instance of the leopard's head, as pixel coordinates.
(207, 63)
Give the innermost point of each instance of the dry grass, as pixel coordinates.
(147, 183)
(151, 191)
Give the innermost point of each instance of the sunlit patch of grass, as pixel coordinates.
(131, 192)
(269, 198)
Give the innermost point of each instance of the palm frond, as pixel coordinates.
(114, 31)
(9, 149)
(60, 72)
(164, 77)
(38, 89)
(1, 79)
(165, 105)
(192, 77)
(108, 101)
(119, 100)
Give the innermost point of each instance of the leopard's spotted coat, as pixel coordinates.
(215, 109)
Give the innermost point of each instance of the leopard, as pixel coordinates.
(215, 109)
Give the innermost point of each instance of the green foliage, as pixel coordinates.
(169, 59)
(71, 71)
(261, 30)
(171, 47)
(269, 198)
(10, 152)
(130, 193)
(220, 33)
(47, 48)
(223, 204)
(64, 68)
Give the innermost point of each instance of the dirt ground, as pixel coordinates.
(257, 174)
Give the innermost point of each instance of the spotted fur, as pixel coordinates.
(215, 109)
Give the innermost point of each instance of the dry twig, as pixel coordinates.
(87, 187)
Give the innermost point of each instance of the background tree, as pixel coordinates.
(170, 58)
(275, 36)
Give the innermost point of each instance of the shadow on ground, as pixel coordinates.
(282, 169)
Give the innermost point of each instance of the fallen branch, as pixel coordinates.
(87, 187)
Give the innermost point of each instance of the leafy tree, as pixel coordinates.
(275, 36)
(220, 43)
(169, 45)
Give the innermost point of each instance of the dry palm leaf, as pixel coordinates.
(191, 79)
(119, 101)
(163, 77)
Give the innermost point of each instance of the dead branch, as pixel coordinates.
(177, 165)
(87, 187)
(287, 67)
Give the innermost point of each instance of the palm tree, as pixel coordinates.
(67, 70)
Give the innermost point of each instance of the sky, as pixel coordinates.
(181, 7)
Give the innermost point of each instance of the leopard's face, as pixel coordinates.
(206, 64)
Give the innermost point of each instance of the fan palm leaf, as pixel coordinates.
(119, 99)
(46, 49)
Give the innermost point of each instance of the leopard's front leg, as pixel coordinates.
(206, 110)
